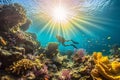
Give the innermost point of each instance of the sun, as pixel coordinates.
(60, 14)
(66, 17)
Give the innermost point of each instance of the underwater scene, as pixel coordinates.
(59, 39)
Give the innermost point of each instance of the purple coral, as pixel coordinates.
(42, 72)
(79, 55)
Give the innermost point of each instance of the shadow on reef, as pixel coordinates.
(23, 58)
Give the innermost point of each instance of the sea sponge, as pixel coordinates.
(105, 68)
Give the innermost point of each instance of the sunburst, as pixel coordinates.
(65, 18)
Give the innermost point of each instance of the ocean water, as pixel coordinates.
(99, 21)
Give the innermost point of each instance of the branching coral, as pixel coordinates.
(21, 66)
(12, 16)
(104, 68)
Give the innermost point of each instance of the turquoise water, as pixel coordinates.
(104, 23)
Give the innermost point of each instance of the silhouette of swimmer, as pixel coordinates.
(63, 40)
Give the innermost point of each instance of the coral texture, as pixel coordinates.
(21, 66)
(105, 68)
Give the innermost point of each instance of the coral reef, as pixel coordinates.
(23, 58)
(8, 57)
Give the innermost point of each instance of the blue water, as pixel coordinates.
(104, 13)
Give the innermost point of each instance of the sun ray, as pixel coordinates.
(83, 20)
(46, 26)
(77, 25)
(67, 18)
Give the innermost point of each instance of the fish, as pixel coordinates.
(108, 37)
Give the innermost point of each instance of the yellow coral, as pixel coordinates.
(115, 67)
(38, 63)
(109, 70)
(21, 66)
(95, 74)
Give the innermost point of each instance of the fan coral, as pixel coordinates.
(21, 66)
(104, 68)
(12, 16)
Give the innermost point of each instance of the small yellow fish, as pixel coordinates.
(3, 42)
